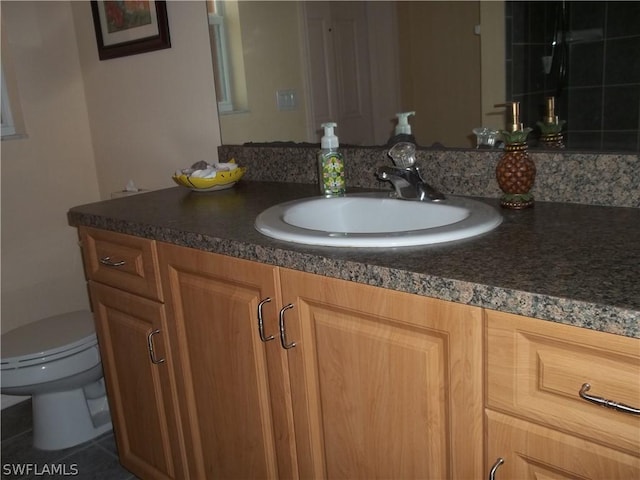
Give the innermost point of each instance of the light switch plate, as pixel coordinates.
(286, 99)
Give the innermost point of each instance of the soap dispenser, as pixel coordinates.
(330, 164)
(402, 131)
(551, 127)
(515, 171)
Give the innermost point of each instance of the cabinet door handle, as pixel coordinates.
(283, 333)
(261, 321)
(110, 263)
(494, 469)
(621, 407)
(152, 354)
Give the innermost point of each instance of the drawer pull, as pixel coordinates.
(261, 321)
(109, 263)
(283, 333)
(152, 354)
(621, 407)
(494, 469)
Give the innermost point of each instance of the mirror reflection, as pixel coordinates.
(282, 68)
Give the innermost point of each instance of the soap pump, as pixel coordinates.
(515, 131)
(515, 171)
(402, 131)
(330, 164)
(551, 128)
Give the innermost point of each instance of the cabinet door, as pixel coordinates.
(384, 384)
(141, 393)
(227, 373)
(533, 452)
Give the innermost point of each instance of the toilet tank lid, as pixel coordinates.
(52, 333)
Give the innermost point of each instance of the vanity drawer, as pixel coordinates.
(533, 452)
(536, 369)
(121, 261)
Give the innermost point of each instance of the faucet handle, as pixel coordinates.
(403, 154)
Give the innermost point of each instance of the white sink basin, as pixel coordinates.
(375, 220)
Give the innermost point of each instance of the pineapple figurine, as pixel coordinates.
(515, 170)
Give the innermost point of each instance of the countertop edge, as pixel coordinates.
(593, 316)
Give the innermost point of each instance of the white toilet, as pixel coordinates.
(56, 361)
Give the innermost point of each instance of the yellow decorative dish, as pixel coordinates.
(222, 180)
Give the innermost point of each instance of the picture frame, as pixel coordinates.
(130, 27)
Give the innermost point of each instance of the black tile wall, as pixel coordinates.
(622, 60)
(585, 109)
(599, 97)
(586, 64)
(625, 118)
(587, 15)
(623, 18)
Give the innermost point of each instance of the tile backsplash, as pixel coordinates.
(607, 179)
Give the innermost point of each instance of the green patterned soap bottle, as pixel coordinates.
(330, 164)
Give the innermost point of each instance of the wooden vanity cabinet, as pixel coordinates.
(536, 419)
(384, 384)
(141, 394)
(125, 294)
(233, 388)
(379, 384)
(218, 367)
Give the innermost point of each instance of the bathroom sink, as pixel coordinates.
(376, 220)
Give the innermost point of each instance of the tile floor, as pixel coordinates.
(96, 459)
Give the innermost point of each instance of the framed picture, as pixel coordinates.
(129, 27)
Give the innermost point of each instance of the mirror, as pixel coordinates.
(290, 66)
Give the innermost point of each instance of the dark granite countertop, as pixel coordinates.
(568, 263)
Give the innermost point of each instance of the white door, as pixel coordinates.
(339, 69)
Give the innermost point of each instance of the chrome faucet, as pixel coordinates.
(408, 184)
(406, 177)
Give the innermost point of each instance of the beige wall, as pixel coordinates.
(494, 77)
(46, 172)
(153, 113)
(91, 126)
(272, 61)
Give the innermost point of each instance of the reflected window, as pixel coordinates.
(220, 54)
(8, 125)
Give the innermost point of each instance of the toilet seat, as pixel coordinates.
(48, 339)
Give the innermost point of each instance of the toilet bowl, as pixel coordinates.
(56, 360)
